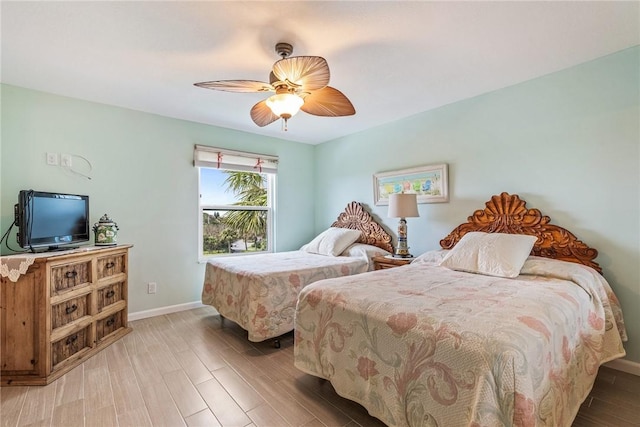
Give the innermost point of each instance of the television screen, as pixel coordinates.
(51, 219)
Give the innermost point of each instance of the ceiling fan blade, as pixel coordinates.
(262, 114)
(237, 86)
(310, 72)
(327, 102)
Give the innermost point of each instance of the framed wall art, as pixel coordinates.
(430, 183)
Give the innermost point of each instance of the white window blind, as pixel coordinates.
(217, 158)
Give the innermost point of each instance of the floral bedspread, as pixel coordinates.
(260, 292)
(422, 345)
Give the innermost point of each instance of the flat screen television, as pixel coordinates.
(53, 221)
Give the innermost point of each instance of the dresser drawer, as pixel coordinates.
(70, 310)
(109, 324)
(66, 347)
(111, 265)
(70, 276)
(110, 295)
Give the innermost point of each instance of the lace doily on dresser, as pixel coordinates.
(14, 267)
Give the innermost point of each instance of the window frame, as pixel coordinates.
(270, 209)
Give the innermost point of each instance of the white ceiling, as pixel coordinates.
(391, 59)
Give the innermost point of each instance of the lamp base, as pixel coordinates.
(402, 251)
(402, 256)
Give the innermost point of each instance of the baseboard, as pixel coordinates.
(624, 365)
(164, 310)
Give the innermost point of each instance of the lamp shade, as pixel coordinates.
(285, 104)
(403, 205)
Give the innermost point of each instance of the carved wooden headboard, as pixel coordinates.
(507, 213)
(356, 218)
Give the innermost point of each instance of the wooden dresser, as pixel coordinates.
(63, 310)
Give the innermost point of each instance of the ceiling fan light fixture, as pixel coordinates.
(285, 105)
(297, 81)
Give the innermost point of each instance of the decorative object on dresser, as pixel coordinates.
(106, 231)
(382, 262)
(59, 309)
(403, 205)
(430, 183)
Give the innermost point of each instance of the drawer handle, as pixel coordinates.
(72, 339)
(70, 274)
(110, 322)
(110, 293)
(110, 264)
(71, 309)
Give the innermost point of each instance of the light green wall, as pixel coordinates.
(568, 143)
(144, 178)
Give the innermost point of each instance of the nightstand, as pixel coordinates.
(382, 262)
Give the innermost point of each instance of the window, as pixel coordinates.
(236, 201)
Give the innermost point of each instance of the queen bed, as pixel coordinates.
(259, 292)
(462, 337)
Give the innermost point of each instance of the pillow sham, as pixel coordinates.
(332, 242)
(431, 257)
(364, 251)
(492, 254)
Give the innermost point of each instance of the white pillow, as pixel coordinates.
(431, 257)
(364, 250)
(332, 241)
(493, 254)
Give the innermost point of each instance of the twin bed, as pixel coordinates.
(259, 292)
(428, 345)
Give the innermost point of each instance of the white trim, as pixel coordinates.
(164, 310)
(624, 365)
(269, 209)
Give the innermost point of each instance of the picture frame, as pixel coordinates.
(430, 183)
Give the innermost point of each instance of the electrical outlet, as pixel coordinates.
(151, 287)
(65, 160)
(52, 159)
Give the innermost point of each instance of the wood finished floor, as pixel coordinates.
(189, 369)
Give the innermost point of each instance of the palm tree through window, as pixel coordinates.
(236, 211)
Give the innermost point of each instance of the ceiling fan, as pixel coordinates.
(299, 83)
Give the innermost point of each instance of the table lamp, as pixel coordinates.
(403, 205)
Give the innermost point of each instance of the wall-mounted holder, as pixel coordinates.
(66, 161)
